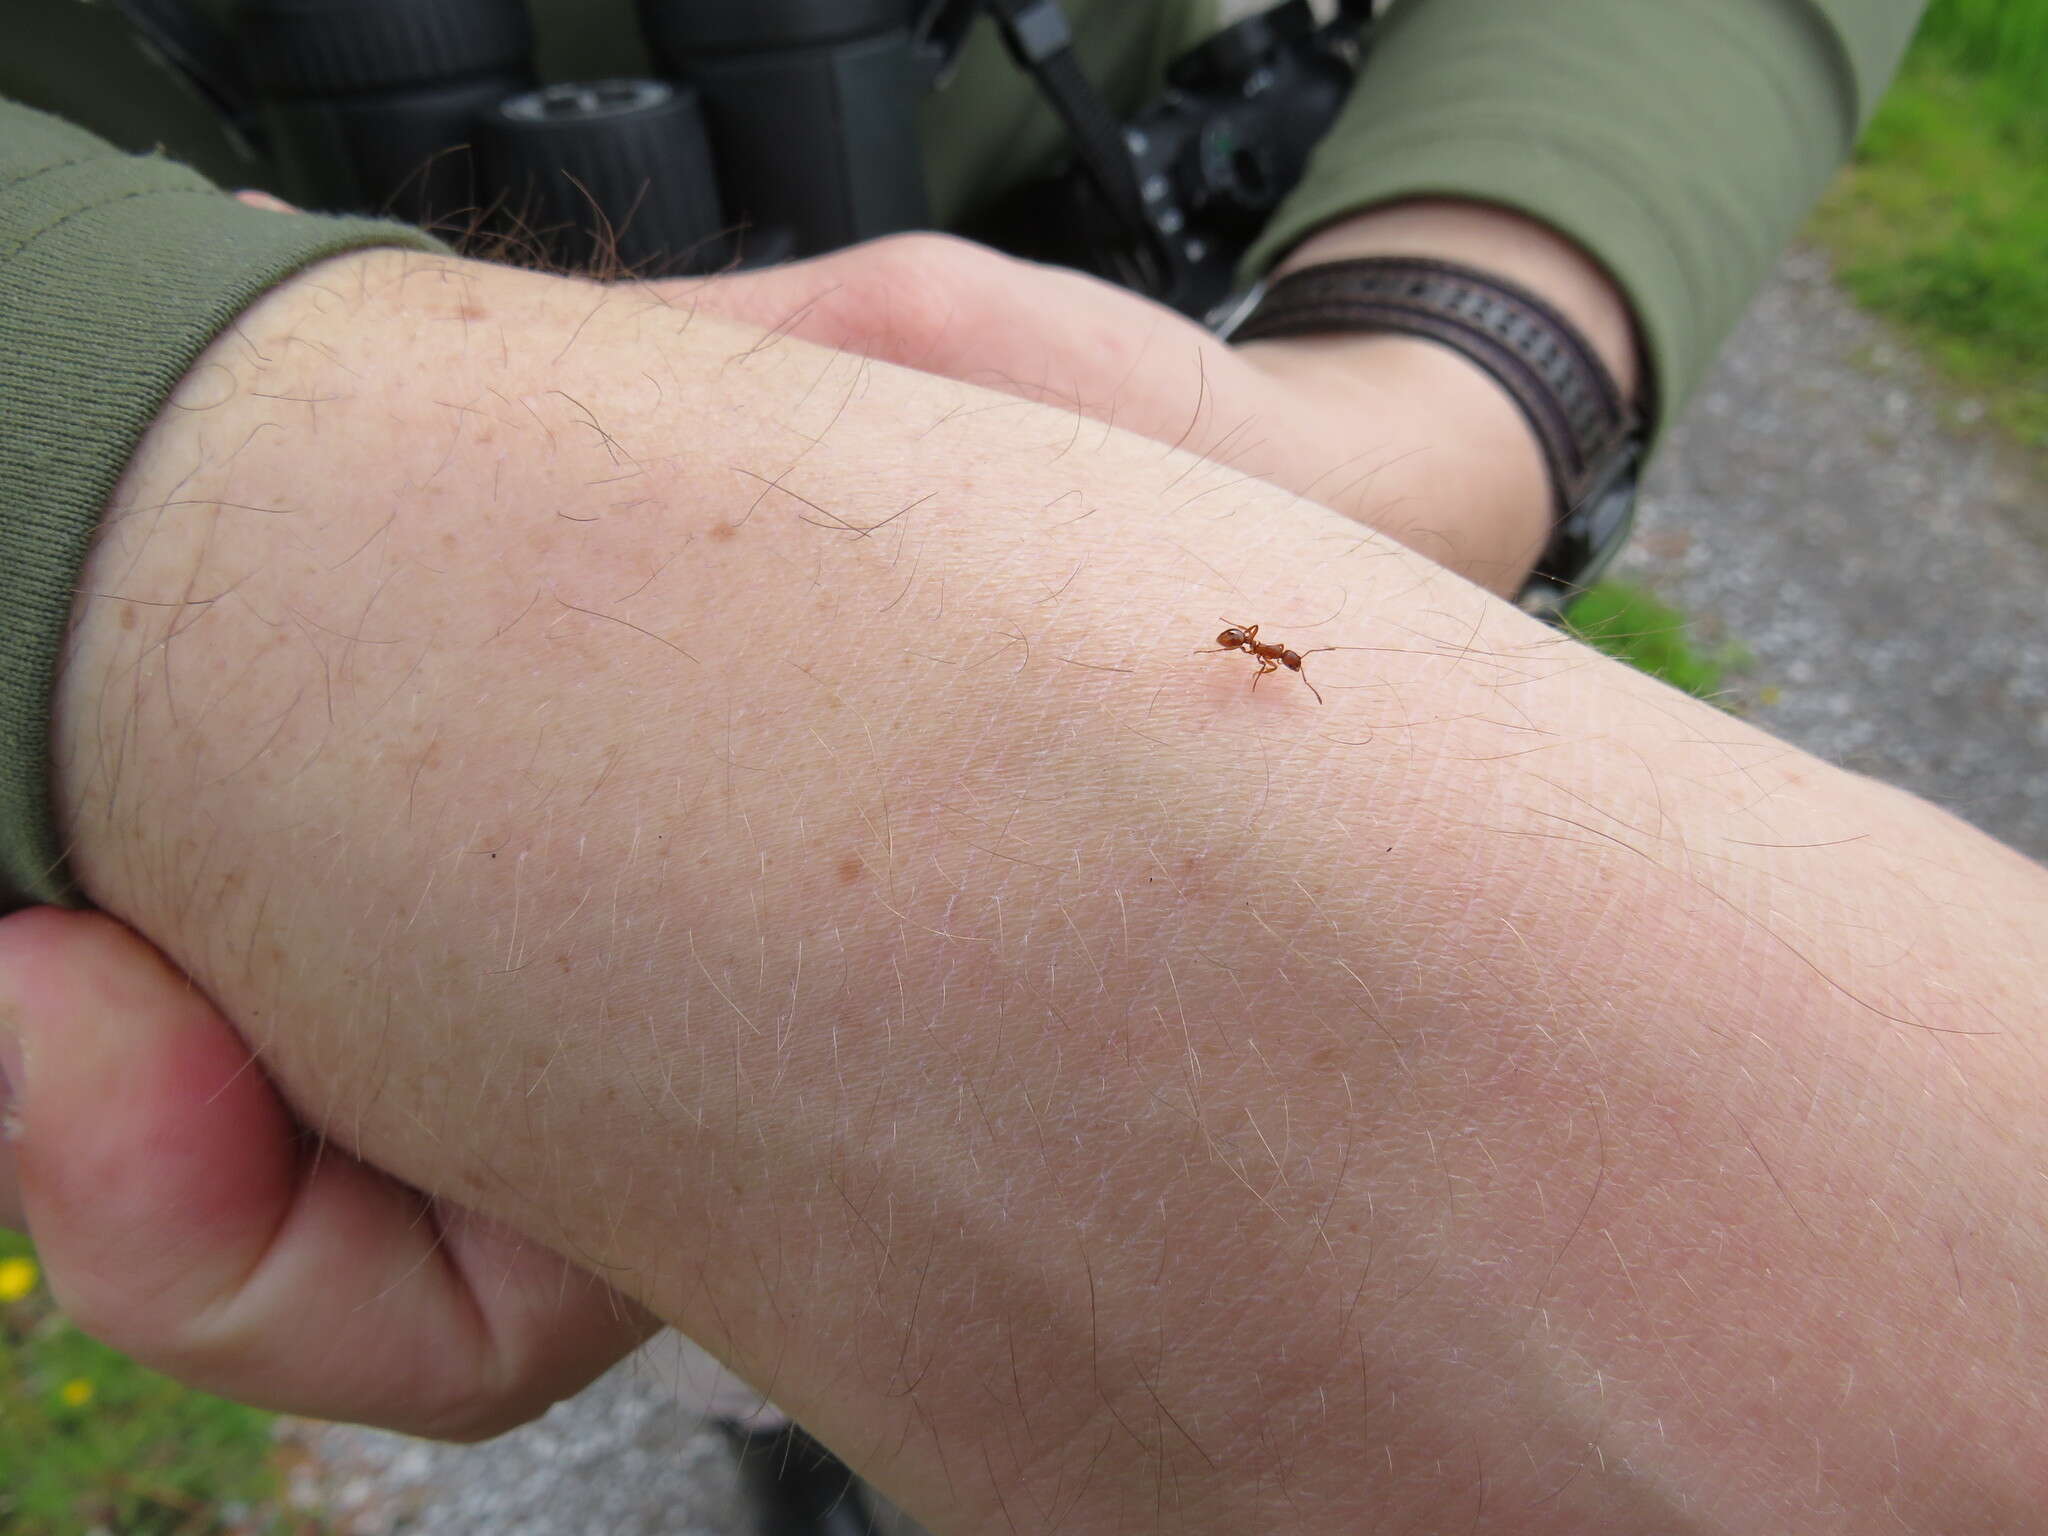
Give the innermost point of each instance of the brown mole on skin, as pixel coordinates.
(850, 869)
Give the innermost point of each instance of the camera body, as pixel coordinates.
(1215, 154)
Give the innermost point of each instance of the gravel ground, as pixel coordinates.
(1823, 504)
(628, 1456)
(1827, 506)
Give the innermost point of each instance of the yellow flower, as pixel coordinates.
(17, 1278)
(76, 1392)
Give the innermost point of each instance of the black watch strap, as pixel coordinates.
(1591, 437)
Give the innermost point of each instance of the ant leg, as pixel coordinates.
(1266, 664)
(1301, 671)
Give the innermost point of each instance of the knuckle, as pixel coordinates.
(913, 288)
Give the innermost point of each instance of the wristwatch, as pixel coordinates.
(1592, 439)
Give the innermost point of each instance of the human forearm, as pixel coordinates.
(1068, 1079)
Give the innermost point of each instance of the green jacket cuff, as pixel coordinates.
(1680, 145)
(119, 270)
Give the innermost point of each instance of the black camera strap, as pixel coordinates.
(1038, 37)
(193, 44)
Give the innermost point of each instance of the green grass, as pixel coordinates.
(129, 1452)
(1941, 222)
(1629, 622)
(2003, 38)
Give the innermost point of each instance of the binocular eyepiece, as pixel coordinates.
(781, 127)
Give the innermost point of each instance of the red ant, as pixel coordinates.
(1245, 637)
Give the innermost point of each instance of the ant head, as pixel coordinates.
(1231, 638)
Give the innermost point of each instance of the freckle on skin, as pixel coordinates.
(724, 532)
(850, 869)
(128, 620)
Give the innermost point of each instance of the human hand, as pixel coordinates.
(1393, 431)
(184, 1216)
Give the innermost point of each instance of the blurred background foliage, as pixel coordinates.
(1940, 224)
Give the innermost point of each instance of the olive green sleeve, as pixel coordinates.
(116, 271)
(1681, 142)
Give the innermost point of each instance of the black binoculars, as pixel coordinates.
(781, 127)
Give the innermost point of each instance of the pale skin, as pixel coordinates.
(746, 818)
